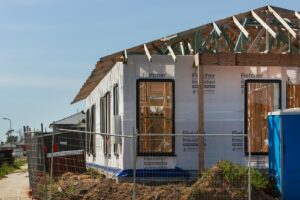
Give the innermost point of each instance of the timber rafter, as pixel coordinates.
(266, 30)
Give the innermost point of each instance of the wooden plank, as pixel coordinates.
(172, 52)
(182, 48)
(282, 21)
(191, 50)
(240, 26)
(264, 24)
(240, 42)
(147, 53)
(297, 15)
(125, 57)
(249, 59)
(201, 118)
(217, 29)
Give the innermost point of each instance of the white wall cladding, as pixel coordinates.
(224, 106)
(113, 77)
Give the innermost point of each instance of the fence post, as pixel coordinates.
(134, 162)
(27, 138)
(44, 161)
(249, 167)
(51, 164)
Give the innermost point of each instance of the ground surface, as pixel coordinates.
(15, 186)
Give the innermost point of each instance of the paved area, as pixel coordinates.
(15, 186)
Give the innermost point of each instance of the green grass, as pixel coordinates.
(6, 169)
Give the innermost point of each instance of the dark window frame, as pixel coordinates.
(172, 81)
(247, 81)
(116, 99)
(105, 119)
(92, 129)
(87, 129)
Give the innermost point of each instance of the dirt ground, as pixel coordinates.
(72, 187)
(15, 186)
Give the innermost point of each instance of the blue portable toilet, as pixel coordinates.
(284, 151)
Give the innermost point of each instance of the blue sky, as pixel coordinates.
(49, 47)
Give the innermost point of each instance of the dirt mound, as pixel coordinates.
(226, 180)
(85, 187)
(223, 181)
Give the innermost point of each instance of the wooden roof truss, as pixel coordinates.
(266, 30)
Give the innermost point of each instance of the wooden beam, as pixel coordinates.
(196, 60)
(172, 52)
(264, 24)
(201, 117)
(182, 48)
(282, 21)
(240, 26)
(249, 59)
(125, 56)
(256, 40)
(297, 15)
(147, 53)
(239, 42)
(191, 50)
(217, 29)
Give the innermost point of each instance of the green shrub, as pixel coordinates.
(6, 169)
(94, 173)
(235, 173)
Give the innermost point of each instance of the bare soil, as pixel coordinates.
(209, 186)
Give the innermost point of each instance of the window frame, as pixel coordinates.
(138, 81)
(116, 99)
(247, 81)
(105, 120)
(92, 128)
(87, 129)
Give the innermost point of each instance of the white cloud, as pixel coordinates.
(39, 82)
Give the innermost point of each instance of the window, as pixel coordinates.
(90, 127)
(261, 97)
(87, 128)
(105, 121)
(292, 95)
(116, 99)
(155, 115)
(93, 129)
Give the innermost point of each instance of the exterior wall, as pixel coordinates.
(186, 115)
(224, 108)
(113, 77)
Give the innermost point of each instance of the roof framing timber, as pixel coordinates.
(282, 21)
(218, 38)
(297, 15)
(249, 59)
(264, 24)
(240, 26)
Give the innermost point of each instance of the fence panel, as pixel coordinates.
(36, 164)
(82, 165)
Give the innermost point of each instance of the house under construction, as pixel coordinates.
(219, 78)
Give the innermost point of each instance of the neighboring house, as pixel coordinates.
(17, 148)
(244, 72)
(68, 145)
(68, 140)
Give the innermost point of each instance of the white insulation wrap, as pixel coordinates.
(224, 109)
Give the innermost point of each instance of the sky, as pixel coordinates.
(48, 48)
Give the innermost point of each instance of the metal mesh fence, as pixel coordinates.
(74, 164)
(36, 163)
